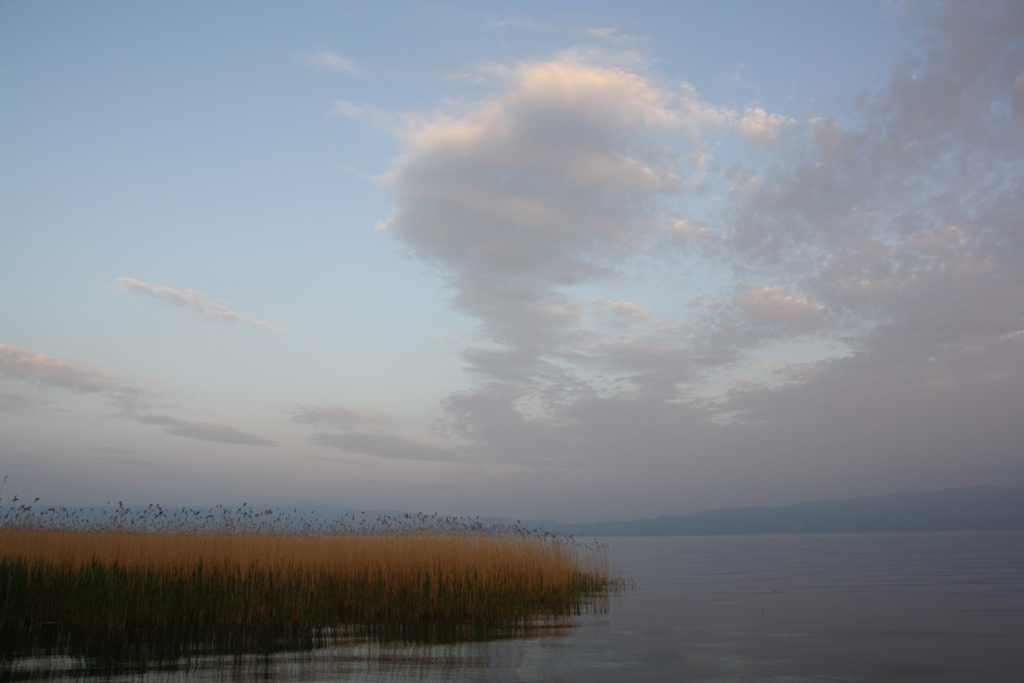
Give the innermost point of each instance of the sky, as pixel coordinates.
(575, 260)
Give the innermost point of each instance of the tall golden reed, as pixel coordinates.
(130, 583)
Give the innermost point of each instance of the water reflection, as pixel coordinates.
(389, 652)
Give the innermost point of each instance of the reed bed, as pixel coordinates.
(225, 578)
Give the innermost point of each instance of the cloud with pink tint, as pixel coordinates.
(774, 304)
(50, 371)
(762, 128)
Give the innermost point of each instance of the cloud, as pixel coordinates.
(353, 440)
(558, 180)
(50, 371)
(14, 402)
(626, 310)
(552, 164)
(45, 370)
(383, 445)
(329, 59)
(378, 117)
(902, 224)
(774, 304)
(762, 128)
(205, 431)
(202, 308)
(338, 417)
(548, 183)
(699, 115)
(880, 247)
(765, 304)
(904, 221)
(39, 368)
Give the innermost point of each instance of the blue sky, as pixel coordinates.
(574, 260)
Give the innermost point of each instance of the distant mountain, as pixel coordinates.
(975, 508)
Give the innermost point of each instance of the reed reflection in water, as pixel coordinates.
(347, 653)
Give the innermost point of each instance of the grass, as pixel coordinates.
(226, 579)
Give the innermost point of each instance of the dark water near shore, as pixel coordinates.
(937, 607)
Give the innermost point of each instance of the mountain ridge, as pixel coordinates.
(971, 508)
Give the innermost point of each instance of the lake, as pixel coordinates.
(931, 607)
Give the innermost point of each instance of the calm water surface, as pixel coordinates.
(851, 607)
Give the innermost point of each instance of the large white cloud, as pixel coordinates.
(886, 239)
(547, 184)
(541, 183)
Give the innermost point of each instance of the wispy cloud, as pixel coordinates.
(338, 417)
(205, 431)
(14, 402)
(49, 371)
(388, 121)
(206, 309)
(46, 370)
(329, 59)
(384, 445)
(352, 439)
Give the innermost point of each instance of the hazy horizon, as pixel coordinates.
(582, 261)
